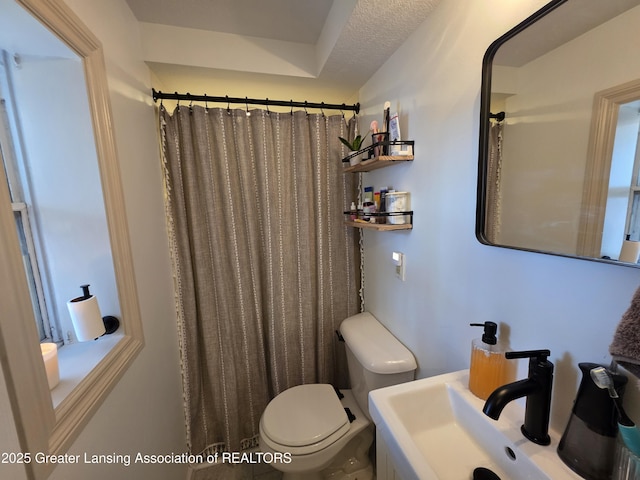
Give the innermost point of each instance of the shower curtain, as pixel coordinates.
(494, 194)
(265, 269)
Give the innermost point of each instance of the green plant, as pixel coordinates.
(356, 144)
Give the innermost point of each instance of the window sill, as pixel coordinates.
(77, 360)
(86, 386)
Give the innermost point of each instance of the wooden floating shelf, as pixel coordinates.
(377, 162)
(379, 226)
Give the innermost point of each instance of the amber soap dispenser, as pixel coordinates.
(489, 368)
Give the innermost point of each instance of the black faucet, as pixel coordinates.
(537, 389)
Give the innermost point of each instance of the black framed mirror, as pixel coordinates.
(559, 159)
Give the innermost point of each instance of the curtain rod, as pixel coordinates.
(158, 95)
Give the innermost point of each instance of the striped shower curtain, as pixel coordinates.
(265, 269)
(493, 202)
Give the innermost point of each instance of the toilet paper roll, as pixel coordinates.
(86, 318)
(630, 251)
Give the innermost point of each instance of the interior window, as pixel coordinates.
(24, 221)
(50, 160)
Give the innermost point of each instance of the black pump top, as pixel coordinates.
(490, 330)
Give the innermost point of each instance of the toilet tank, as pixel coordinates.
(375, 358)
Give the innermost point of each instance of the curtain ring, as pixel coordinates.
(206, 103)
(178, 106)
(228, 105)
(322, 108)
(291, 104)
(305, 108)
(267, 104)
(246, 100)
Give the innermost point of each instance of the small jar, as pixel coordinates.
(367, 209)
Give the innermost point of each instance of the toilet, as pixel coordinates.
(324, 433)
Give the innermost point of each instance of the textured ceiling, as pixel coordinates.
(372, 34)
(341, 42)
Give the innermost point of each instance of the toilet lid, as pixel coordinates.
(304, 415)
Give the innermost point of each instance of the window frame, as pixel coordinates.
(11, 158)
(632, 227)
(46, 334)
(40, 426)
(604, 118)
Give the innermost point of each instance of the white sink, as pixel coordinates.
(434, 428)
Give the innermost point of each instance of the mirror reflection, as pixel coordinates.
(48, 153)
(559, 173)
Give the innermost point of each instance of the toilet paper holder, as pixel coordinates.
(88, 322)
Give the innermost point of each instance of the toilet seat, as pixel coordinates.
(304, 419)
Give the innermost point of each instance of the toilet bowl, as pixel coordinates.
(310, 423)
(323, 433)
